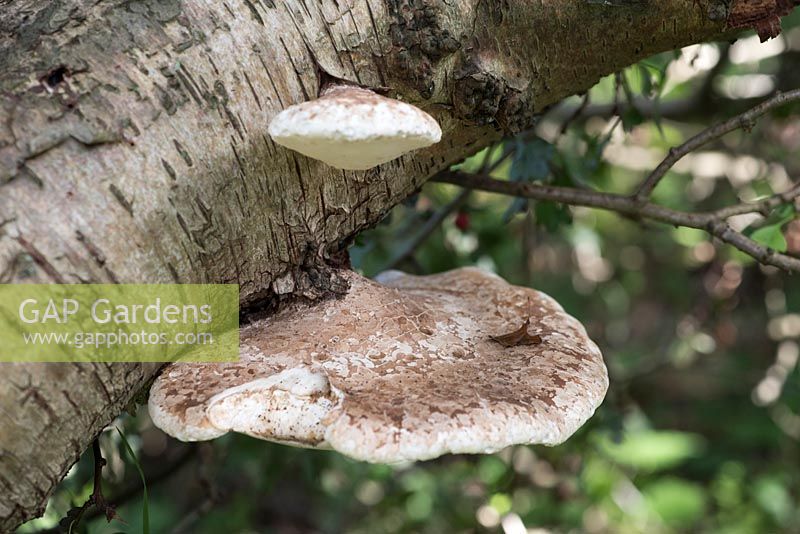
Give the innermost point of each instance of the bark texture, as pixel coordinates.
(133, 148)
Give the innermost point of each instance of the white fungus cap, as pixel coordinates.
(353, 128)
(410, 369)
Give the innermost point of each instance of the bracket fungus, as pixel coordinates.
(405, 368)
(353, 128)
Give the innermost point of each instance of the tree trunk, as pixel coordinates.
(133, 148)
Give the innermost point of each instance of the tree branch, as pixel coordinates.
(428, 228)
(134, 489)
(96, 499)
(712, 222)
(763, 206)
(744, 121)
(699, 101)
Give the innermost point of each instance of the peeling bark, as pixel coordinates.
(133, 148)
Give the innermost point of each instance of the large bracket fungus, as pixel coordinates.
(406, 368)
(349, 127)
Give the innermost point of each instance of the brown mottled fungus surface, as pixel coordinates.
(407, 369)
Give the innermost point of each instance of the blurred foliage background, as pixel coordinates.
(700, 429)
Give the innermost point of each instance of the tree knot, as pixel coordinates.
(421, 41)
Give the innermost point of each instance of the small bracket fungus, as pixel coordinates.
(406, 369)
(353, 128)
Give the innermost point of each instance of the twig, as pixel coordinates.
(744, 121)
(135, 489)
(427, 229)
(508, 150)
(159, 475)
(194, 515)
(646, 106)
(528, 239)
(697, 101)
(96, 499)
(575, 114)
(97, 492)
(212, 495)
(622, 79)
(710, 222)
(763, 206)
(487, 158)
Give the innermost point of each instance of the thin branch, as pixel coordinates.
(508, 150)
(567, 195)
(577, 113)
(134, 490)
(96, 499)
(763, 206)
(708, 221)
(194, 515)
(697, 101)
(528, 243)
(648, 107)
(487, 158)
(744, 121)
(212, 494)
(427, 229)
(161, 473)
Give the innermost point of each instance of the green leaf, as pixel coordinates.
(582, 170)
(779, 215)
(649, 85)
(419, 506)
(145, 506)
(770, 236)
(655, 73)
(679, 503)
(491, 470)
(501, 502)
(631, 118)
(552, 215)
(599, 476)
(769, 232)
(517, 205)
(653, 450)
(773, 497)
(531, 161)
(785, 212)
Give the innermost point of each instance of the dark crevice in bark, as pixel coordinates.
(313, 281)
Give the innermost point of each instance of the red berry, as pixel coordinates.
(462, 221)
